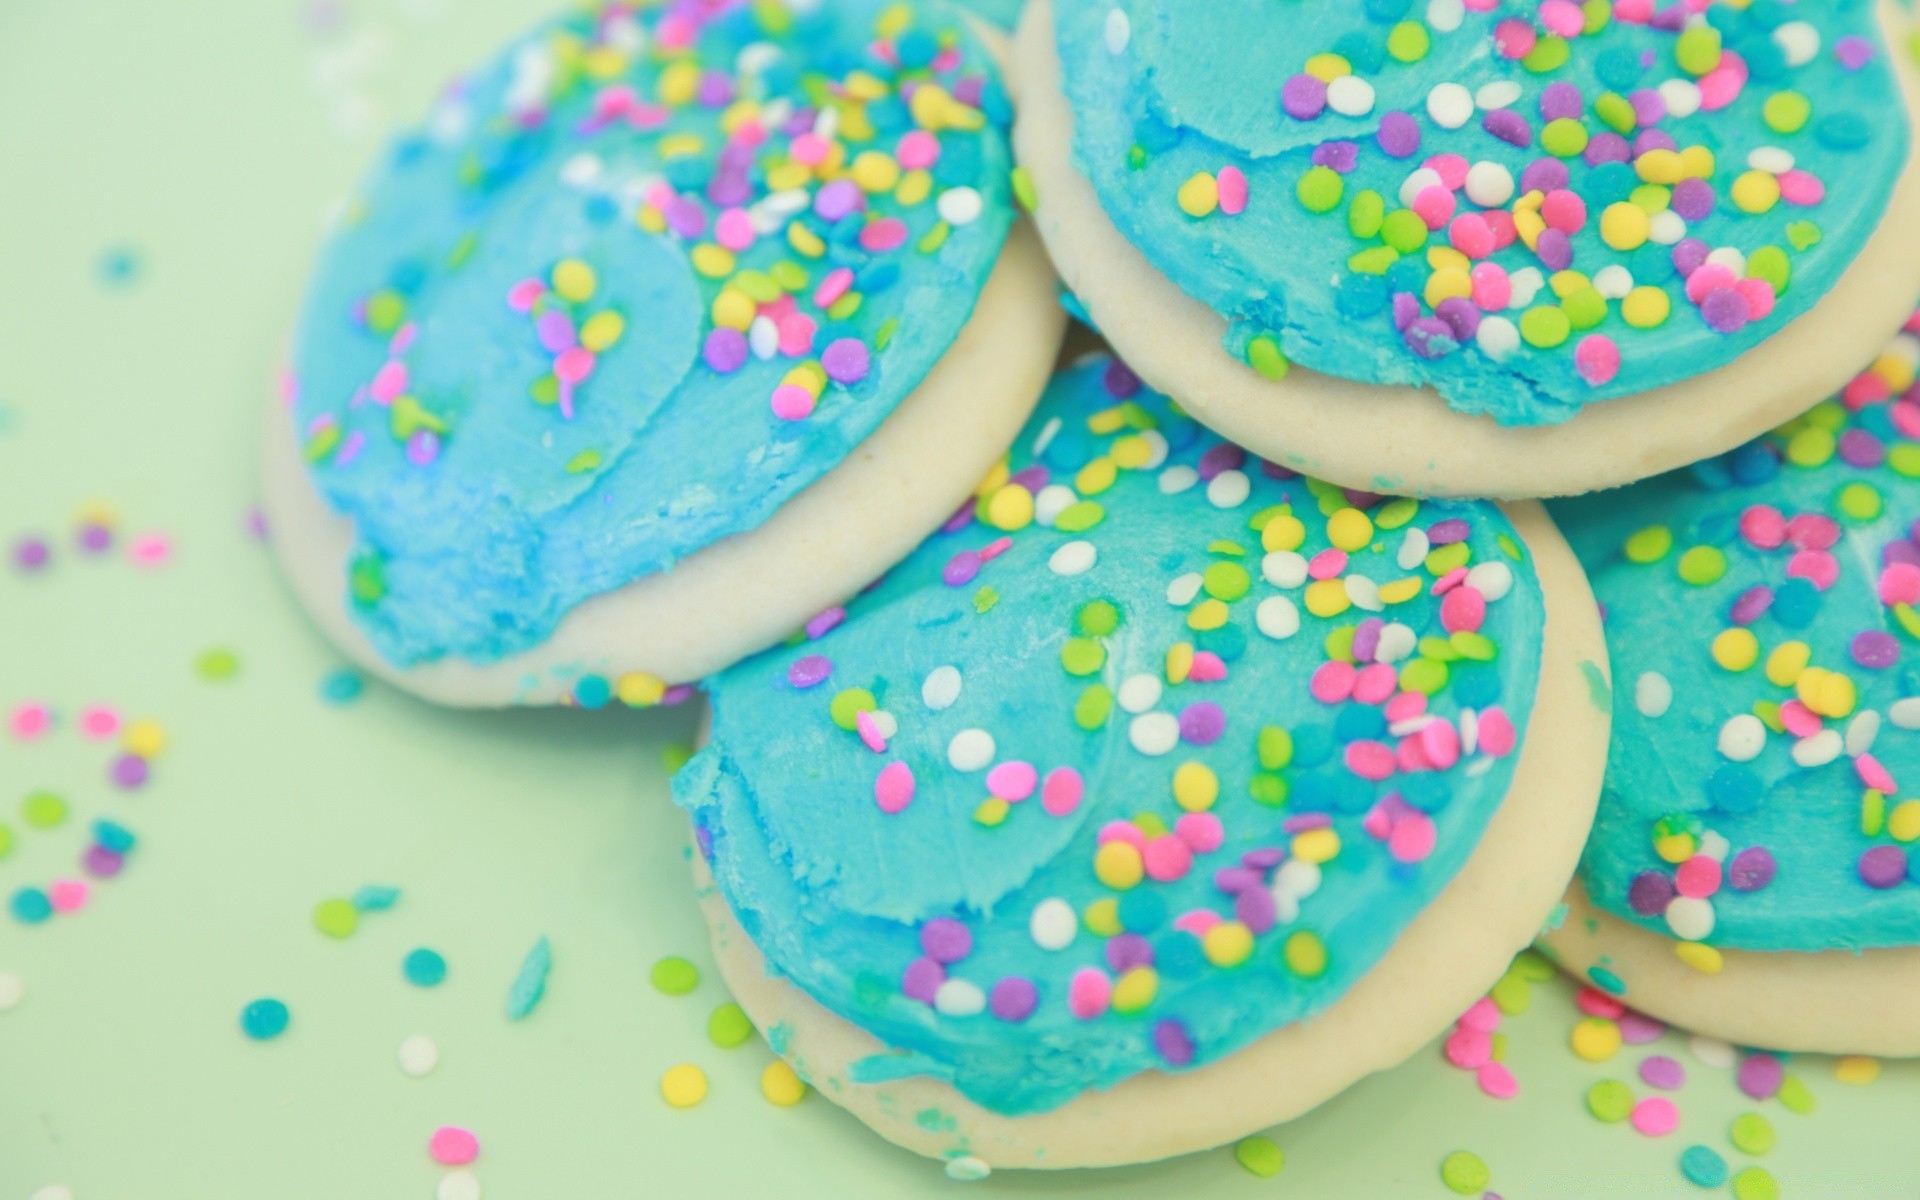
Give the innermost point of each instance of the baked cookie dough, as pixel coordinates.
(668, 331)
(1453, 251)
(1754, 872)
(1160, 800)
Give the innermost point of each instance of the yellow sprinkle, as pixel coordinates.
(1675, 848)
(1660, 166)
(732, 309)
(1117, 864)
(1696, 162)
(684, 1086)
(1135, 989)
(1208, 614)
(1195, 786)
(1131, 452)
(144, 739)
(992, 812)
(1199, 195)
(1227, 944)
(995, 480)
(1786, 663)
(1305, 954)
(1316, 845)
(1828, 693)
(1646, 307)
(714, 262)
(781, 1085)
(1328, 67)
(1284, 532)
(1756, 192)
(1625, 226)
(679, 82)
(1856, 1069)
(1903, 823)
(640, 689)
(875, 171)
(804, 241)
(1327, 598)
(1096, 477)
(651, 219)
(1596, 1039)
(603, 331)
(1736, 649)
(1011, 508)
(1179, 662)
(1102, 917)
(574, 280)
(1700, 956)
(1349, 529)
(1400, 590)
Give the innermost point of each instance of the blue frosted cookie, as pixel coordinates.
(1159, 768)
(584, 352)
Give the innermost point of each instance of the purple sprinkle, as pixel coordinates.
(1545, 175)
(1561, 100)
(1406, 310)
(716, 89)
(1125, 951)
(1653, 139)
(30, 554)
(1255, 908)
(94, 537)
(1555, 249)
(1672, 19)
(1449, 531)
(102, 863)
(1430, 337)
(1900, 552)
(922, 979)
(1650, 893)
(845, 360)
(1222, 457)
(826, 622)
(1725, 309)
(1013, 999)
(810, 671)
(1304, 97)
(1461, 316)
(1119, 380)
(1693, 199)
(1509, 126)
(1859, 448)
(1883, 866)
(1662, 1072)
(1875, 649)
(1637, 1029)
(1606, 147)
(1359, 498)
(1301, 822)
(1173, 1042)
(961, 518)
(1234, 880)
(945, 940)
(1264, 858)
(1399, 135)
(961, 568)
(1761, 1075)
(1853, 52)
(1032, 478)
(676, 695)
(1752, 604)
(838, 199)
(1274, 470)
(1649, 107)
(686, 217)
(726, 350)
(1202, 723)
(1366, 639)
(555, 331)
(1689, 254)
(969, 90)
(1751, 869)
(1340, 157)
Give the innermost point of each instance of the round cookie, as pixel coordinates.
(1753, 873)
(1159, 799)
(668, 331)
(1440, 251)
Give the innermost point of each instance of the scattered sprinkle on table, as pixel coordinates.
(675, 976)
(1260, 1155)
(781, 1084)
(12, 990)
(967, 1168)
(417, 1056)
(337, 918)
(424, 968)
(458, 1185)
(1756, 1183)
(341, 687)
(264, 1019)
(1751, 1134)
(684, 1086)
(1465, 1173)
(217, 665)
(531, 983)
(453, 1146)
(728, 1026)
(1703, 1166)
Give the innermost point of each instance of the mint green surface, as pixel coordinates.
(210, 137)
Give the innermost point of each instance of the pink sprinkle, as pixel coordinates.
(796, 333)
(887, 233)
(1413, 838)
(1369, 760)
(522, 296)
(893, 789)
(791, 402)
(1799, 720)
(1497, 736)
(810, 149)
(1723, 85)
(1123, 831)
(995, 548)
(1201, 831)
(1471, 235)
(734, 229)
(150, 550)
(1497, 1081)
(1451, 580)
(29, 721)
(1483, 1016)
(98, 723)
(1563, 17)
(1463, 610)
(1435, 206)
(67, 895)
(1060, 793)
(1656, 1116)
(1565, 211)
(834, 286)
(917, 150)
(1375, 683)
(1802, 188)
(389, 382)
(1332, 682)
(1197, 921)
(1451, 168)
(1812, 531)
(1765, 529)
(1406, 706)
(573, 365)
(869, 731)
(1012, 781)
(1597, 358)
(1760, 297)
(1873, 775)
(1638, 1029)
(1698, 877)
(1167, 858)
(1469, 1049)
(452, 1146)
(1327, 564)
(1819, 567)
(1440, 744)
(1900, 584)
(1709, 278)
(1207, 668)
(1596, 1003)
(1514, 38)
(1492, 287)
(1089, 993)
(1233, 191)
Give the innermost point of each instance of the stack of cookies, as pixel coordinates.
(1114, 751)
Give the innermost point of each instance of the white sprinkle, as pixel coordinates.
(1363, 593)
(1417, 182)
(1397, 641)
(12, 989)
(1729, 257)
(1498, 94)
(1286, 908)
(1526, 284)
(1799, 41)
(1905, 714)
(1489, 184)
(1469, 731)
(1175, 480)
(1350, 96)
(958, 998)
(1690, 918)
(959, 206)
(1445, 15)
(940, 688)
(1413, 549)
(458, 1185)
(763, 338)
(1156, 449)
(1074, 558)
(1666, 228)
(1862, 731)
(1277, 618)
(1053, 924)
(1154, 733)
(1493, 580)
(53, 1191)
(1712, 1051)
(1652, 694)
(1715, 846)
(1297, 878)
(1052, 500)
(826, 123)
(1229, 489)
(1497, 338)
(1411, 726)
(1820, 749)
(970, 750)
(1045, 437)
(1742, 738)
(580, 170)
(1771, 159)
(1450, 105)
(1138, 693)
(1613, 281)
(1284, 568)
(1682, 97)
(968, 1168)
(1184, 588)
(1119, 31)
(417, 1056)
(884, 724)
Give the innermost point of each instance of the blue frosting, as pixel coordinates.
(492, 488)
(1198, 89)
(1001, 12)
(1120, 664)
(1797, 838)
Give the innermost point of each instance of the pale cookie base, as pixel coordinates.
(1405, 439)
(1832, 1002)
(1445, 960)
(751, 590)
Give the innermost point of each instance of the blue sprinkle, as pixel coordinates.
(1607, 981)
(376, 898)
(264, 1020)
(531, 983)
(1796, 603)
(424, 968)
(592, 691)
(113, 836)
(1734, 790)
(341, 687)
(1703, 1167)
(31, 906)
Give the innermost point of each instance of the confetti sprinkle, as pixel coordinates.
(264, 1019)
(674, 976)
(423, 967)
(530, 985)
(453, 1146)
(684, 1086)
(417, 1056)
(781, 1085)
(1260, 1156)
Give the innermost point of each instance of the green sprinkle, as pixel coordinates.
(1080, 516)
(1513, 995)
(1404, 231)
(1264, 356)
(674, 976)
(43, 810)
(1365, 214)
(337, 918)
(1268, 788)
(1097, 618)
(6, 841)
(1226, 581)
(1274, 746)
(1545, 327)
(1702, 565)
(1610, 1100)
(1465, 1173)
(385, 311)
(1795, 1097)
(1260, 1156)
(1082, 656)
(1564, 138)
(1756, 1183)
(1649, 545)
(1550, 53)
(728, 1026)
(1697, 49)
(1320, 189)
(1804, 235)
(847, 705)
(217, 665)
(1093, 707)
(583, 462)
(985, 598)
(367, 580)
(1771, 264)
(1023, 190)
(1751, 1134)
(1409, 42)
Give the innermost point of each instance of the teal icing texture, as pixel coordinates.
(1128, 766)
(1782, 829)
(549, 350)
(1445, 138)
(1003, 13)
